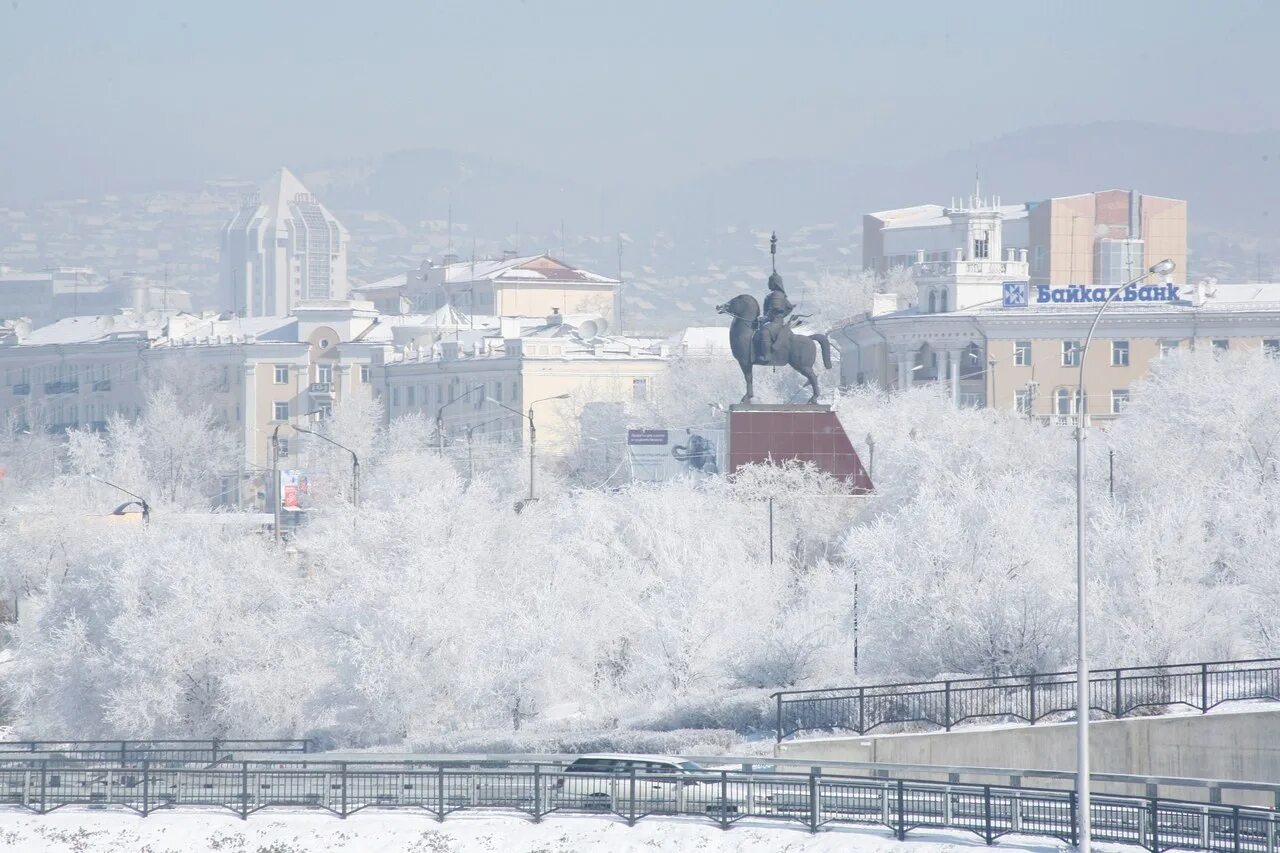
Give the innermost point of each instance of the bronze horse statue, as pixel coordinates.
(798, 351)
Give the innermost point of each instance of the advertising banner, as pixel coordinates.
(660, 454)
(295, 491)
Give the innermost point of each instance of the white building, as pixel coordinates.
(281, 248)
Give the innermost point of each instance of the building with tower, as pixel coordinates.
(281, 248)
(1006, 294)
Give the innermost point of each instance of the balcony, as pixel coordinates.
(22, 390)
(63, 386)
(102, 385)
(320, 389)
(984, 270)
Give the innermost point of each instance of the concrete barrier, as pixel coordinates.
(1241, 745)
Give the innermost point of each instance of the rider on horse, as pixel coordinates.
(771, 345)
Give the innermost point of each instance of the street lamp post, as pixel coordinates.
(533, 433)
(142, 502)
(355, 462)
(1082, 661)
(440, 416)
(275, 481)
(471, 467)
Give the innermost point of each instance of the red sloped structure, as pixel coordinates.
(770, 434)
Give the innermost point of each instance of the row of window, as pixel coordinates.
(324, 373)
(1071, 350)
(1067, 403)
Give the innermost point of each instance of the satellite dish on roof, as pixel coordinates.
(593, 328)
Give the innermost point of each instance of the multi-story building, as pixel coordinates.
(258, 374)
(998, 336)
(282, 248)
(470, 384)
(530, 286)
(43, 297)
(1100, 238)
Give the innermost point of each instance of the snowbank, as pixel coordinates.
(87, 831)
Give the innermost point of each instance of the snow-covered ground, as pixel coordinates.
(85, 831)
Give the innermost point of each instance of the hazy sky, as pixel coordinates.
(111, 91)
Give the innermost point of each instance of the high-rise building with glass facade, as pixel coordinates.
(281, 248)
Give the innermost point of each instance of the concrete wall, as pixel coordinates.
(1237, 746)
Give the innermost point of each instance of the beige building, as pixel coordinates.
(530, 286)
(256, 373)
(1105, 238)
(465, 383)
(1102, 238)
(999, 335)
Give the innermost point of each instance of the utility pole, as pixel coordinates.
(533, 440)
(275, 479)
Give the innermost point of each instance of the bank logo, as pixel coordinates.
(1015, 294)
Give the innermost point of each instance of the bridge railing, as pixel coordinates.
(125, 752)
(812, 799)
(1030, 698)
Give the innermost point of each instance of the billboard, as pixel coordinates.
(663, 454)
(295, 491)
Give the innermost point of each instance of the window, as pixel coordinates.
(395, 396)
(1062, 401)
(1022, 401)
(981, 245)
(324, 373)
(280, 411)
(497, 391)
(1070, 353)
(639, 389)
(1221, 345)
(933, 302)
(1271, 347)
(1022, 353)
(1119, 353)
(282, 374)
(408, 395)
(1119, 399)
(284, 446)
(942, 303)
(364, 373)
(1167, 347)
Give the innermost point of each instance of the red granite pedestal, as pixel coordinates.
(771, 434)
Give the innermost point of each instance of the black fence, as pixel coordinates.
(1029, 698)
(157, 752)
(813, 800)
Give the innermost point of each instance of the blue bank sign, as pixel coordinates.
(1021, 294)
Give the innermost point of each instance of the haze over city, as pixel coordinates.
(579, 426)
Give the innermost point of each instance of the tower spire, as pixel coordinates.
(977, 189)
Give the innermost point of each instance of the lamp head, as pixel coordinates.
(1164, 267)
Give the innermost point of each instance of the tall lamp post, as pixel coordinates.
(471, 430)
(355, 462)
(440, 416)
(142, 502)
(533, 432)
(1082, 661)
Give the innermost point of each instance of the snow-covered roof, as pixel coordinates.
(528, 268)
(935, 215)
(75, 330)
(701, 339)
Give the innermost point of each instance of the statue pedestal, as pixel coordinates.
(770, 434)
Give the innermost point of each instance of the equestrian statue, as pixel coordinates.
(769, 340)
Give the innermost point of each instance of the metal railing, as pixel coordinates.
(1029, 698)
(159, 752)
(812, 799)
